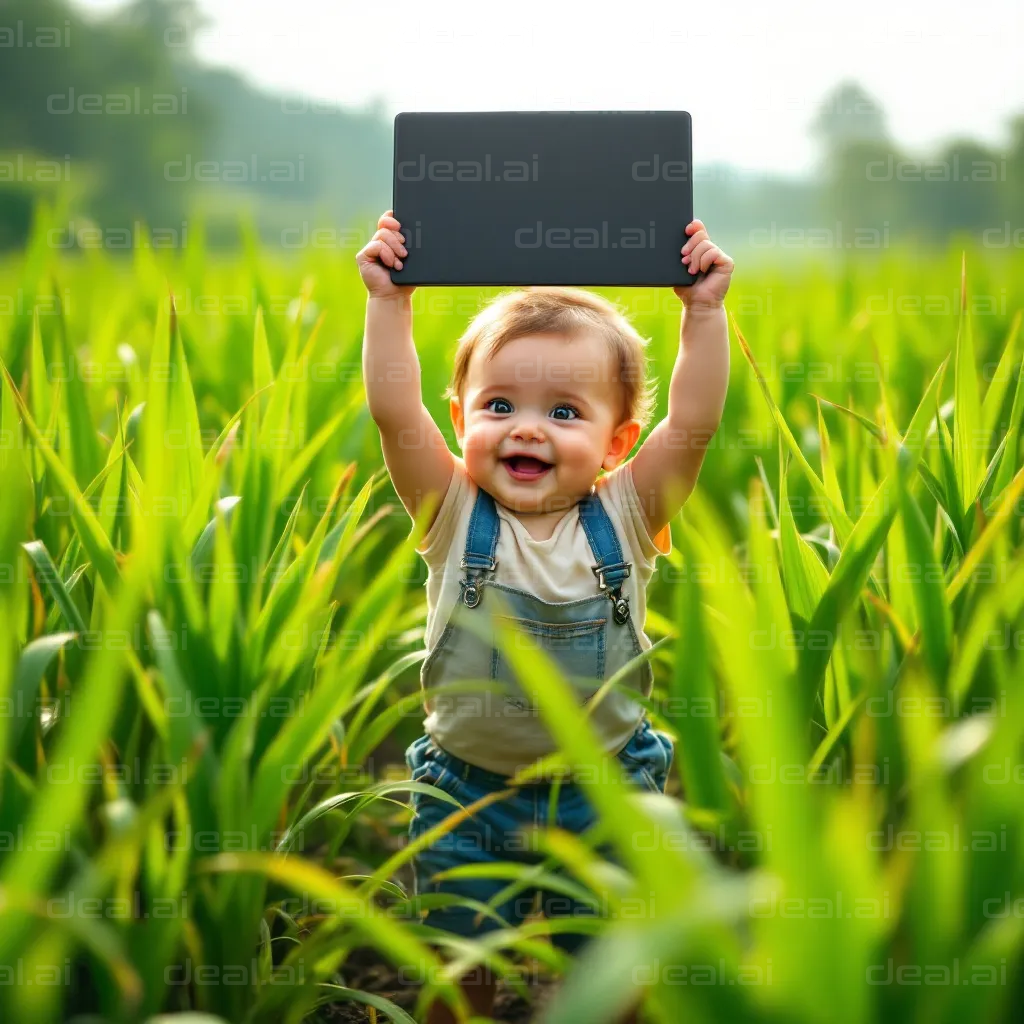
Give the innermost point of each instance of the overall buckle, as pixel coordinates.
(600, 570)
(490, 567)
(471, 587)
(619, 601)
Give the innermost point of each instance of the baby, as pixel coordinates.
(548, 390)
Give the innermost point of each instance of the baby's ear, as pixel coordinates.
(622, 442)
(458, 420)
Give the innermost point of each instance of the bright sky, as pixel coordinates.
(751, 74)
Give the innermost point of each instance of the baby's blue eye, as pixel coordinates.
(568, 408)
(500, 401)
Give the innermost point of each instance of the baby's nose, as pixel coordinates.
(527, 428)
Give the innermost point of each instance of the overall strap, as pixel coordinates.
(481, 542)
(611, 570)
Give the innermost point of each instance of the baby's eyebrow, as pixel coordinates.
(572, 396)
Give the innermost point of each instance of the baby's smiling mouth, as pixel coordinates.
(526, 467)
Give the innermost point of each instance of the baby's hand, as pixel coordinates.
(702, 256)
(384, 250)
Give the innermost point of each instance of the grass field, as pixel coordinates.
(211, 625)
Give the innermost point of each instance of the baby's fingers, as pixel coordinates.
(379, 249)
(698, 236)
(394, 239)
(714, 257)
(694, 258)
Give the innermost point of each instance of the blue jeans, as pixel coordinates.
(492, 833)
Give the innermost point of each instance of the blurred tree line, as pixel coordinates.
(73, 90)
(868, 191)
(116, 117)
(869, 180)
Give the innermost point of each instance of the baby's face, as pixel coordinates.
(540, 418)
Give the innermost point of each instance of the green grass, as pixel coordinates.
(211, 627)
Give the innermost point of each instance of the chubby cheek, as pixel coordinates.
(579, 453)
(479, 445)
(477, 464)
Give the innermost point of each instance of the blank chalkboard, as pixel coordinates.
(595, 197)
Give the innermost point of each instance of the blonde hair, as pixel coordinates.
(568, 312)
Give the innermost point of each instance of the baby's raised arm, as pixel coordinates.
(415, 451)
(666, 467)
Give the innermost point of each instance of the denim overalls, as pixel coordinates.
(590, 639)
